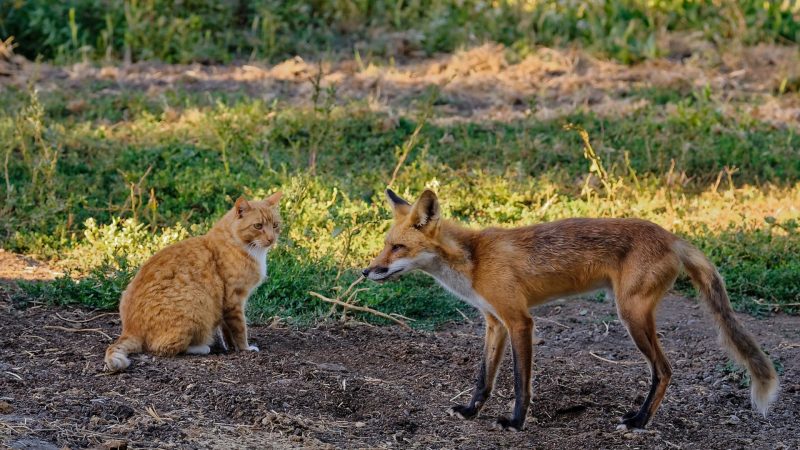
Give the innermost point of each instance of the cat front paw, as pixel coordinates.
(252, 348)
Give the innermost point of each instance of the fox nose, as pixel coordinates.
(378, 270)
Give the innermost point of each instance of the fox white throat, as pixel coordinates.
(460, 286)
(452, 280)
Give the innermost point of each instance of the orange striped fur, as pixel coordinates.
(191, 290)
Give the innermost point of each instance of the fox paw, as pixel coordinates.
(506, 424)
(632, 421)
(462, 412)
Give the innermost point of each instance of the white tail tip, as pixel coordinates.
(763, 395)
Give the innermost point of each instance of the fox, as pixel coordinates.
(504, 272)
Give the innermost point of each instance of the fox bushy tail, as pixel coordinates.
(734, 337)
(117, 353)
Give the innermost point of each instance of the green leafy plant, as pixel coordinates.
(119, 193)
(214, 31)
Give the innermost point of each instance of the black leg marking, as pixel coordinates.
(479, 397)
(522, 349)
(493, 348)
(639, 419)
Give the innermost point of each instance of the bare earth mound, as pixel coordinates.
(361, 386)
(479, 84)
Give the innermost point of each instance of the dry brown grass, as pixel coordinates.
(482, 84)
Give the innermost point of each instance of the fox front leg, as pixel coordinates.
(522, 347)
(493, 349)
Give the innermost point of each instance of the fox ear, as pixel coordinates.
(399, 206)
(241, 206)
(274, 198)
(425, 213)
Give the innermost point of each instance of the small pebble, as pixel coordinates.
(733, 420)
(115, 445)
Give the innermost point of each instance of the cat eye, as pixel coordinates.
(258, 226)
(397, 247)
(275, 226)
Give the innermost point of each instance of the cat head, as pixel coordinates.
(257, 224)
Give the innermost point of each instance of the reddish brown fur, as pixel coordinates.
(182, 294)
(505, 272)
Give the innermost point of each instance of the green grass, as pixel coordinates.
(99, 190)
(220, 31)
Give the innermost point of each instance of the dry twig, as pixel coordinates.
(85, 320)
(346, 294)
(544, 319)
(624, 363)
(14, 375)
(79, 330)
(360, 308)
(773, 305)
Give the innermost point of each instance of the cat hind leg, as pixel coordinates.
(170, 345)
(198, 350)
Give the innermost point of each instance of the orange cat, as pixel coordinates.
(189, 290)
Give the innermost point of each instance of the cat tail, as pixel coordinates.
(117, 353)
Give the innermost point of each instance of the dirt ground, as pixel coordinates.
(357, 386)
(477, 84)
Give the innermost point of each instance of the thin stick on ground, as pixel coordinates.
(360, 308)
(345, 293)
(85, 320)
(545, 319)
(460, 394)
(350, 300)
(400, 316)
(466, 318)
(763, 303)
(79, 330)
(624, 363)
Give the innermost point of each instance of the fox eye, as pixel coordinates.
(397, 247)
(258, 226)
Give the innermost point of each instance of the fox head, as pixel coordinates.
(412, 242)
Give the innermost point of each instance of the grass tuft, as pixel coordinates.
(98, 199)
(212, 31)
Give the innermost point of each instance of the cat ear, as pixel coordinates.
(241, 206)
(274, 198)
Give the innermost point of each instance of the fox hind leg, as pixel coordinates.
(637, 314)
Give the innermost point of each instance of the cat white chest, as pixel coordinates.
(259, 255)
(461, 287)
